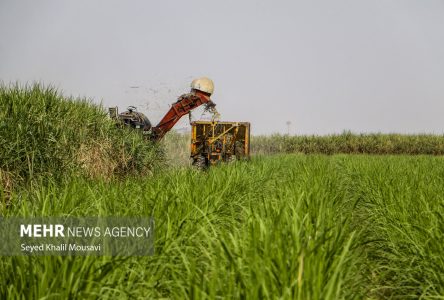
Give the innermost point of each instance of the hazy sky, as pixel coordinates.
(326, 66)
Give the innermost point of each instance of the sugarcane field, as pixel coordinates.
(221, 150)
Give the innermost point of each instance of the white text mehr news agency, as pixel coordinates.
(59, 230)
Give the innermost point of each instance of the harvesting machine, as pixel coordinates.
(211, 141)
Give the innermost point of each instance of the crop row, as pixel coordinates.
(285, 226)
(350, 143)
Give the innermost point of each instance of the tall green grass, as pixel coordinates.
(177, 145)
(290, 227)
(350, 143)
(286, 226)
(43, 133)
(400, 207)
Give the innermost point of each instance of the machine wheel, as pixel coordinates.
(199, 162)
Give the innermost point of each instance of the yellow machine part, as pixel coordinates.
(216, 140)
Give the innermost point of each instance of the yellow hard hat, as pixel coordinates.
(203, 84)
